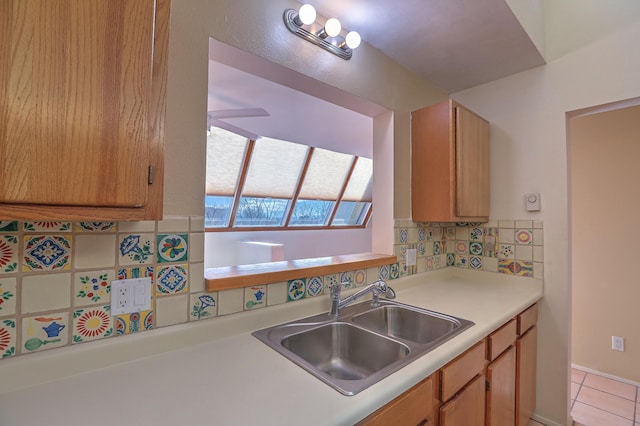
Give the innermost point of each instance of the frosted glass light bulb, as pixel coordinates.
(353, 39)
(332, 27)
(307, 14)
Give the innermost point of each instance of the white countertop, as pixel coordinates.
(215, 372)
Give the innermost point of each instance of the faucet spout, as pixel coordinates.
(378, 288)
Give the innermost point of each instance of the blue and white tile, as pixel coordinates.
(315, 286)
(46, 253)
(475, 262)
(136, 249)
(172, 279)
(203, 306)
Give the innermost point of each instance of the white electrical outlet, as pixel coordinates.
(132, 295)
(617, 343)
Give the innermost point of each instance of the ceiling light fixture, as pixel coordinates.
(328, 37)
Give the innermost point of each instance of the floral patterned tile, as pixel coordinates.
(7, 337)
(172, 279)
(172, 247)
(204, 305)
(255, 297)
(7, 296)
(8, 254)
(135, 249)
(462, 247)
(506, 251)
(45, 331)
(95, 226)
(92, 287)
(360, 277)
(135, 322)
(330, 280)
(296, 289)
(42, 226)
(515, 267)
(524, 236)
(92, 324)
(315, 286)
(46, 253)
(8, 226)
(346, 279)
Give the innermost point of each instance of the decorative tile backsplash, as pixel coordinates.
(55, 277)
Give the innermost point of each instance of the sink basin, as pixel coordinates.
(344, 351)
(364, 344)
(410, 324)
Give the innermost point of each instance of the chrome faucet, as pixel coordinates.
(377, 288)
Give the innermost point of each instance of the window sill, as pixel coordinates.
(229, 277)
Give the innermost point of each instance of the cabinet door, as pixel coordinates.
(472, 164)
(501, 394)
(75, 95)
(467, 407)
(414, 407)
(526, 376)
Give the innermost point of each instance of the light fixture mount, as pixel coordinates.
(290, 16)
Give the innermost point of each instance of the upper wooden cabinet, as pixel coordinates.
(82, 105)
(449, 164)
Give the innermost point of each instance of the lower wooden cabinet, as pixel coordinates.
(412, 408)
(493, 383)
(466, 408)
(501, 389)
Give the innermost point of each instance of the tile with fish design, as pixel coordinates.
(92, 287)
(172, 279)
(172, 247)
(204, 305)
(521, 268)
(136, 249)
(43, 226)
(45, 331)
(95, 226)
(92, 324)
(7, 296)
(8, 254)
(8, 226)
(46, 253)
(7, 337)
(255, 297)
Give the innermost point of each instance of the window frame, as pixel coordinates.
(286, 223)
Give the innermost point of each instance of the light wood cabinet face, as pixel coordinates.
(467, 407)
(501, 395)
(82, 95)
(449, 164)
(527, 347)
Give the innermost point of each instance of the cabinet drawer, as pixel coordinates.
(413, 407)
(527, 319)
(461, 370)
(501, 339)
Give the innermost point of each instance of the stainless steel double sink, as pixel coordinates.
(364, 343)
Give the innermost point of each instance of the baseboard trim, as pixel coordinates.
(608, 376)
(545, 421)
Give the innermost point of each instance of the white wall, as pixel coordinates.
(529, 153)
(220, 246)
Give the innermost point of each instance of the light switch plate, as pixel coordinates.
(132, 295)
(411, 257)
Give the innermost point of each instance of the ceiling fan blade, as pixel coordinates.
(233, 129)
(239, 113)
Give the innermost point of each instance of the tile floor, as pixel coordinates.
(599, 401)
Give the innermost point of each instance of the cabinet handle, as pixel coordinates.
(150, 176)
